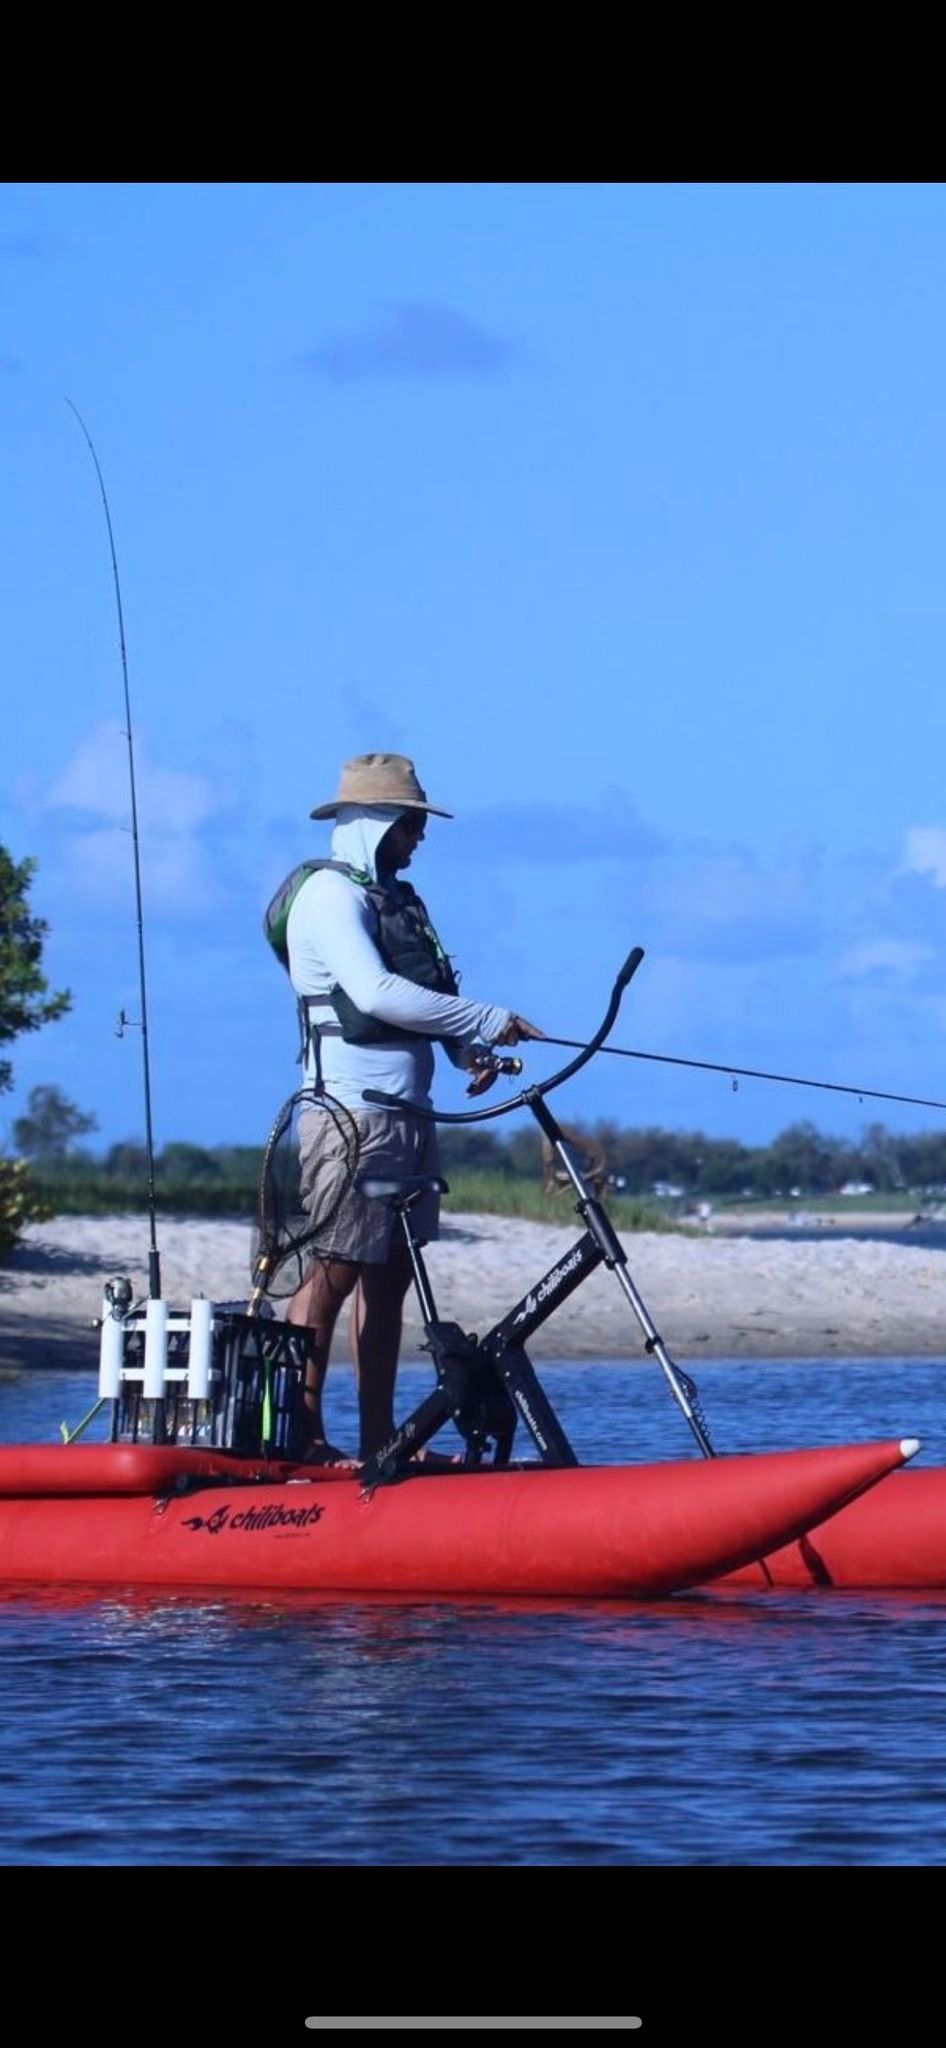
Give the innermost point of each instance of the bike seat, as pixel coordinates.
(404, 1187)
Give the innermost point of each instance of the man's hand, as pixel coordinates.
(518, 1027)
(485, 1066)
(484, 1070)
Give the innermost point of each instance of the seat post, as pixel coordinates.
(421, 1280)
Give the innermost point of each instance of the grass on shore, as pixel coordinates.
(499, 1194)
(476, 1192)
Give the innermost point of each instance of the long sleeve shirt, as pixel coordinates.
(330, 936)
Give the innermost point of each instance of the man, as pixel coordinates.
(377, 992)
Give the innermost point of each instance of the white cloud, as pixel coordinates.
(924, 852)
(884, 956)
(96, 781)
(177, 874)
(173, 809)
(724, 888)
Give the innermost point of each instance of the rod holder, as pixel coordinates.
(156, 1350)
(111, 1352)
(200, 1349)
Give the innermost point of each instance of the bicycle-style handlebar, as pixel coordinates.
(477, 1116)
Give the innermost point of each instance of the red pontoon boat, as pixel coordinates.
(145, 1515)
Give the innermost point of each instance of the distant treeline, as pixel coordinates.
(674, 1165)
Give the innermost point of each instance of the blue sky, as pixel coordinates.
(620, 508)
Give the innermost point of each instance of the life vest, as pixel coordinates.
(406, 941)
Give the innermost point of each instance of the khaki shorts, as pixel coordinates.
(345, 1224)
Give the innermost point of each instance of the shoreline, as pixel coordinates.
(710, 1295)
(746, 1222)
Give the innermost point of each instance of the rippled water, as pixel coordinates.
(289, 1729)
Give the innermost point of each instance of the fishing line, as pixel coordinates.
(154, 1263)
(667, 1059)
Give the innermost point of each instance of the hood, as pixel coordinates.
(358, 834)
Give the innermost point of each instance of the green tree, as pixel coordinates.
(181, 1164)
(803, 1158)
(127, 1161)
(880, 1153)
(51, 1126)
(25, 1005)
(469, 1151)
(524, 1151)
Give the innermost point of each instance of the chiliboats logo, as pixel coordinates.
(529, 1307)
(252, 1520)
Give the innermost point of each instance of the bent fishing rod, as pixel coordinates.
(621, 1052)
(603, 1241)
(500, 1065)
(154, 1263)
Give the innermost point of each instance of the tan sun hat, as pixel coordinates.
(379, 779)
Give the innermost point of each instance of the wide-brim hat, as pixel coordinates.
(379, 779)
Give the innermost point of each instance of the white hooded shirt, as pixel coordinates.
(331, 936)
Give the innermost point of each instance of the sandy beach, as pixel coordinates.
(710, 1297)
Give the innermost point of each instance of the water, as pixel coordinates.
(157, 1729)
(927, 1237)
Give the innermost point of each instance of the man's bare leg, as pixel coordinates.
(315, 1307)
(376, 1321)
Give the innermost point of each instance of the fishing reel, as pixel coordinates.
(118, 1294)
(487, 1068)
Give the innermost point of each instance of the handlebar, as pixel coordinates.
(479, 1116)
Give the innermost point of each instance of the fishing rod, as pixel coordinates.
(621, 1052)
(154, 1262)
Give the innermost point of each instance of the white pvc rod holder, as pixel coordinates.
(200, 1350)
(111, 1354)
(156, 1350)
